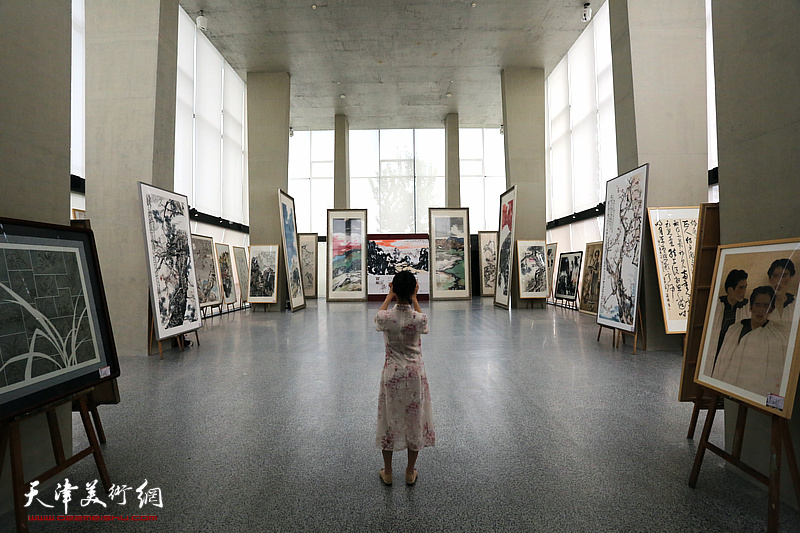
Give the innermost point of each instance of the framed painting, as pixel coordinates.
(623, 230)
(308, 262)
(347, 262)
(55, 333)
(487, 259)
(505, 248)
(388, 254)
(552, 248)
(590, 283)
(207, 271)
(450, 257)
(532, 269)
(225, 262)
(674, 231)
(749, 348)
(291, 251)
(568, 276)
(242, 270)
(263, 274)
(173, 284)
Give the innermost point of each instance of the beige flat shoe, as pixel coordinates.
(386, 478)
(411, 478)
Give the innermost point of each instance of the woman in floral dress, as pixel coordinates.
(405, 418)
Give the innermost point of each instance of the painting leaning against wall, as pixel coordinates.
(263, 274)
(242, 270)
(207, 275)
(226, 272)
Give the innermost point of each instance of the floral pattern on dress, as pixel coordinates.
(405, 415)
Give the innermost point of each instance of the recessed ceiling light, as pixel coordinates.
(474, 4)
(449, 95)
(313, 6)
(342, 96)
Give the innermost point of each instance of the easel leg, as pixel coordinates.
(599, 331)
(695, 414)
(98, 456)
(101, 434)
(791, 459)
(701, 447)
(55, 437)
(179, 338)
(17, 477)
(738, 432)
(773, 511)
(197, 337)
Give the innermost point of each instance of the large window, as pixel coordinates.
(483, 175)
(311, 178)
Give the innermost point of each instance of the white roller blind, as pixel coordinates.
(208, 127)
(77, 158)
(184, 109)
(232, 145)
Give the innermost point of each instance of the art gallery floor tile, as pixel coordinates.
(268, 425)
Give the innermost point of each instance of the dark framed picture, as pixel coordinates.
(568, 276)
(388, 254)
(55, 332)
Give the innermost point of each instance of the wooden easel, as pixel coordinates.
(618, 334)
(781, 438)
(151, 334)
(9, 433)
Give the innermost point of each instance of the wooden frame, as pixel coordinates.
(552, 255)
(170, 262)
(389, 253)
(209, 289)
(505, 248)
(590, 280)
(450, 263)
(566, 286)
(225, 264)
(759, 366)
(263, 279)
(57, 338)
(626, 197)
(346, 267)
(242, 270)
(487, 261)
(309, 262)
(291, 254)
(78, 214)
(532, 269)
(674, 232)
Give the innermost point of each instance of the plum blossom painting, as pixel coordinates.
(308, 262)
(622, 249)
(55, 335)
(505, 253)
(347, 261)
(225, 263)
(263, 274)
(242, 270)
(207, 274)
(291, 255)
(487, 261)
(532, 265)
(449, 249)
(388, 254)
(173, 286)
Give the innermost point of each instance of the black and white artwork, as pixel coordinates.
(173, 285)
(242, 270)
(207, 274)
(552, 248)
(590, 284)
(505, 248)
(487, 260)
(225, 262)
(55, 336)
(263, 274)
(568, 276)
(532, 269)
(622, 249)
(308, 262)
(388, 254)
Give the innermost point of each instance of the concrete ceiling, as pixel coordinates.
(395, 61)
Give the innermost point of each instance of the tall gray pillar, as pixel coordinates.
(659, 65)
(523, 117)
(268, 159)
(341, 163)
(34, 163)
(758, 129)
(131, 68)
(452, 162)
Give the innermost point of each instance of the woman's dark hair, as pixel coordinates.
(785, 264)
(764, 289)
(403, 285)
(734, 277)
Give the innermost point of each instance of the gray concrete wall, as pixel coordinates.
(659, 68)
(452, 162)
(341, 163)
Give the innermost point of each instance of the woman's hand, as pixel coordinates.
(389, 297)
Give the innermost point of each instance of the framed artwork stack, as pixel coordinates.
(291, 251)
(225, 262)
(388, 254)
(308, 262)
(347, 250)
(505, 247)
(450, 253)
(532, 269)
(487, 259)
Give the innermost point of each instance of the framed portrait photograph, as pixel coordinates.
(263, 274)
(749, 349)
(308, 262)
(532, 269)
(568, 276)
(207, 272)
(450, 256)
(590, 282)
(347, 261)
(170, 262)
(55, 333)
(291, 251)
(505, 248)
(552, 248)
(622, 250)
(487, 261)
(388, 254)
(242, 270)
(674, 232)
(225, 262)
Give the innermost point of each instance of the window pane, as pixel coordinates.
(321, 201)
(300, 190)
(365, 194)
(470, 142)
(364, 161)
(470, 167)
(322, 145)
(397, 144)
(472, 197)
(397, 168)
(322, 170)
(430, 193)
(494, 155)
(397, 205)
(300, 155)
(430, 152)
(494, 187)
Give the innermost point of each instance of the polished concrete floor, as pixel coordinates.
(269, 426)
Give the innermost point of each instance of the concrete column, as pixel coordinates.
(268, 159)
(758, 128)
(523, 117)
(341, 163)
(660, 101)
(452, 162)
(34, 162)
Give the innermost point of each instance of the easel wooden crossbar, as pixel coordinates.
(618, 334)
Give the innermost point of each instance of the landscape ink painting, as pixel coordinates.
(225, 263)
(388, 254)
(449, 243)
(263, 274)
(487, 261)
(347, 266)
(505, 254)
(208, 287)
(297, 299)
(242, 270)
